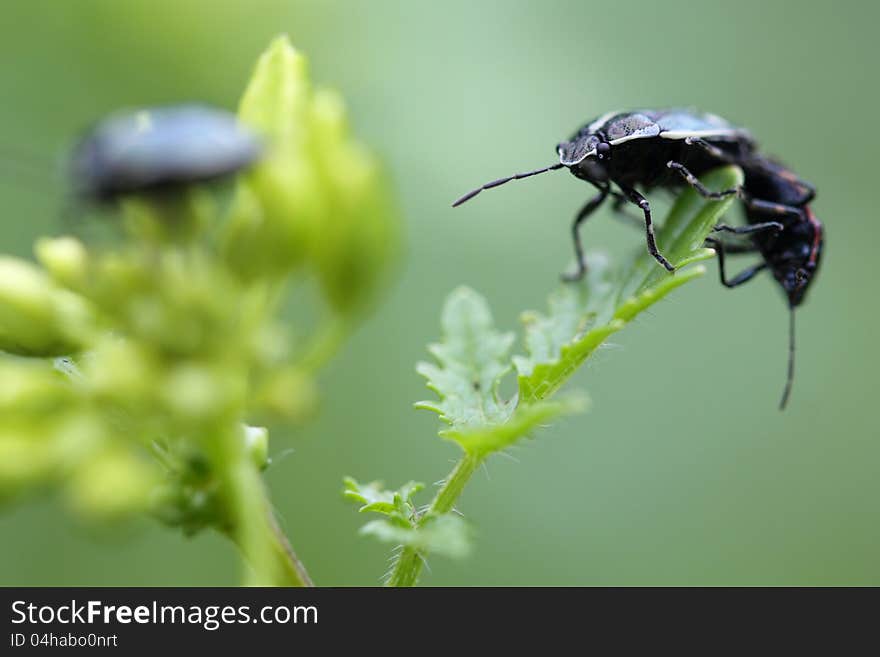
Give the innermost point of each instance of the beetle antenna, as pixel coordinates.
(790, 378)
(501, 181)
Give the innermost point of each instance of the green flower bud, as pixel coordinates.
(277, 201)
(289, 393)
(200, 392)
(318, 196)
(121, 370)
(256, 440)
(37, 448)
(65, 258)
(112, 483)
(31, 386)
(358, 241)
(37, 318)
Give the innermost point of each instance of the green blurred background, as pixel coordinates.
(684, 472)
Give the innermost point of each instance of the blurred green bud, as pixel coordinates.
(358, 242)
(112, 483)
(190, 506)
(176, 324)
(163, 219)
(31, 387)
(65, 258)
(180, 301)
(23, 459)
(38, 448)
(256, 441)
(121, 370)
(199, 392)
(288, 393)
(36, 317)
(276, 202)
(270, 344)
(318, 195)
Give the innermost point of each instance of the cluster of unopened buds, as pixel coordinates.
(136, 372)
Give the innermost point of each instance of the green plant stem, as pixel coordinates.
(452, 488)
(262, 543)
(251, 523)
(292, 570)
(410, 561)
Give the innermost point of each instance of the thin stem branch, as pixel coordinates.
(294, 571)
(452, 488)
(252, 524)
(410, 561)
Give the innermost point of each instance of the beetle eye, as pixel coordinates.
(603, 150)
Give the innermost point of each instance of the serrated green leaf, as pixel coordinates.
(572, 310)
(583, 316)
(484, 440)
(472, 358)
(375, 498)
(371, 496)
(681, 239)
(445, 534)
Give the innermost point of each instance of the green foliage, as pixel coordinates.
(402, 524)
(172, 335)
(313, 171)
(393, 503)
(444, 534)
(37, 317)
(472, 360)
(474, 357)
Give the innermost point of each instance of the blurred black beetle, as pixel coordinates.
(158, 149)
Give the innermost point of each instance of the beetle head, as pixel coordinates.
(796, 254)
(794, 259)
(794, 279)
(586, 157)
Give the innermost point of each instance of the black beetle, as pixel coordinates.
(792, 253)
(782, 228)
(665, 148)
(158, 149)
(646, 148)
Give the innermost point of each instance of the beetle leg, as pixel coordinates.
(618, 207)
(714, 151)
(732, 248)
(637, 199)
(694, 182)
(722, 156)
(752, 228)
(750, 202)
(743, 277)
(581, 216)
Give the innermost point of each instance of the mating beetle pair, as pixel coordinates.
(669, 148)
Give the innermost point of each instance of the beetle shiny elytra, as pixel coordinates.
(158, 149)
(645, 148)
(668, 148)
